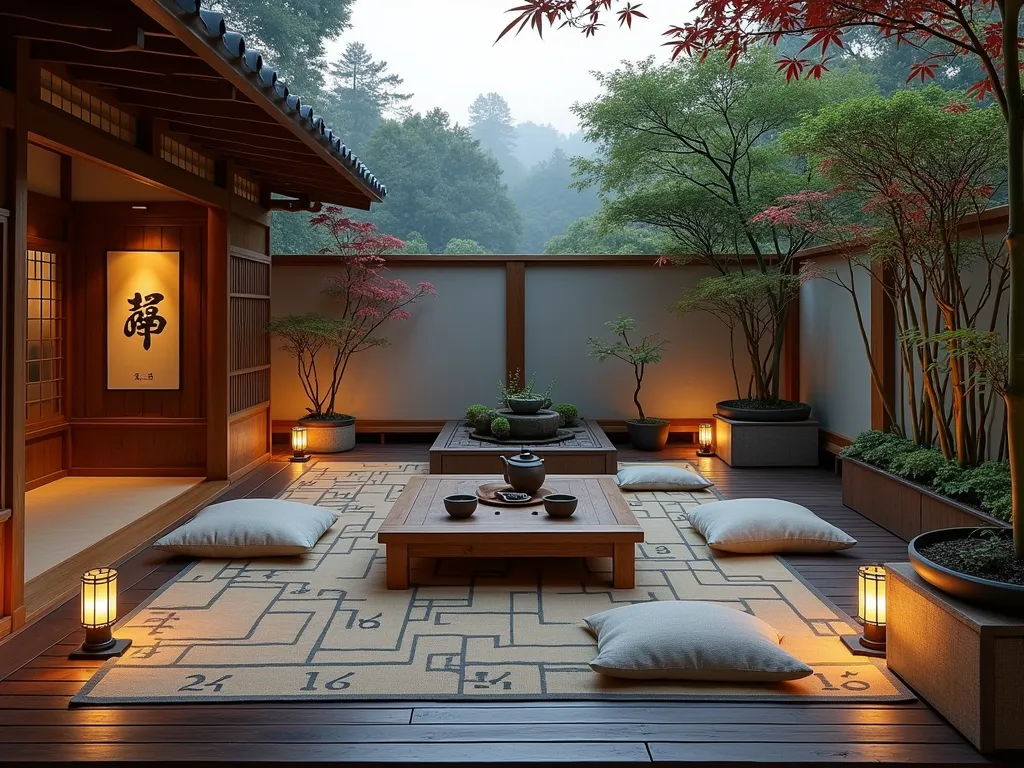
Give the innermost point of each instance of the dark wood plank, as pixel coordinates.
(38, 681)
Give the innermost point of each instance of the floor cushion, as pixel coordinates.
(760, 526)
(690, 640)
(246, 528)
(660, 477)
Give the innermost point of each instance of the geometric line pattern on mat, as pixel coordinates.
(323, 625)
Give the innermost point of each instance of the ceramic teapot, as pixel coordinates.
(525, 472)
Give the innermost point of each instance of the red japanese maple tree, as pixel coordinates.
(367, 298)
(941, 30)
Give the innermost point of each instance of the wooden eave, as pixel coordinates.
(177, 66)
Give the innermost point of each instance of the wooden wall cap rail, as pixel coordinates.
(989, 220)
(497, 260)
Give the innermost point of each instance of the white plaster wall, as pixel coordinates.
(450, 354)
(974, 282)
(43, 171)
(92, 182)
(565, 305)
(835, 377)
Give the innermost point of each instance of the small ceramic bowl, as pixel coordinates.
(460, 505)
(560, 504)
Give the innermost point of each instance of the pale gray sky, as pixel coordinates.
(444, 49)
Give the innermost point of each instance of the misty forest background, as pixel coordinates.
(495, 185)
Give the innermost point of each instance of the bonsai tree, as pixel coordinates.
(323, 345)
(637, 352)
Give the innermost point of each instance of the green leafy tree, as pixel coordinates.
(490, 122)
(590, 235)
(913, 167)
(548, 201)
(290, 35)
(460, 246)
(691, 149)
(441, 184)
(362, 93)
(415, 245)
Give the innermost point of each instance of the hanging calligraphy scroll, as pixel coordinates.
(143, 339)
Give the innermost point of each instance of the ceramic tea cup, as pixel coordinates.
(560, 504)
(460, 504)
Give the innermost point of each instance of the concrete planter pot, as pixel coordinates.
(767, 443)
(329, 435)
(902, 507)
(961, 659)
(971, 589)
(732, 409)
(525, 406)
(648, 436)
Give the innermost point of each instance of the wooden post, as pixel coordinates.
(883, 347)
(217, 344)
(515, 318)
(12, 341)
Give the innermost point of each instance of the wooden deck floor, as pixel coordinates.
(37, 680)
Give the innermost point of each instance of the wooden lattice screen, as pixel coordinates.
(44, 345)
(249, 315)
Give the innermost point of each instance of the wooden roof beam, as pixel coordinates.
(209, 90)
(128, 61)
(183, 104)
(84, 16)
(169, 14)
(269, 139)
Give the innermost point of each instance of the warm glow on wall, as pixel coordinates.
(143, 319)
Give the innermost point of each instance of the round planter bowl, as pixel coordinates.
(560, 504)
(648, 437)
(525, 406)
(971, 589)
(460, 505)
(329, 436)
(798, 412)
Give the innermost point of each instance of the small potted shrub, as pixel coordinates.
(524, 399)
(645, 433)
(323, 345)
(569, 416)
(500, 428)
(480, 417)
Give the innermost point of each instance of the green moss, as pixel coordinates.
(987, 486)
(500, 428)
(480, 418)
(919, 465)
(570, 415)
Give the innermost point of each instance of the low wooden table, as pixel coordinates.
(587, 452)
(419, 526)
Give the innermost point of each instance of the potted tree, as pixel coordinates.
(645, 433)
(323, 345)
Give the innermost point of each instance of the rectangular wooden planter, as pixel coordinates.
(965, 661)
(766, 443)
(905, 508)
